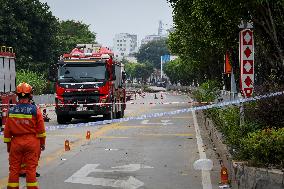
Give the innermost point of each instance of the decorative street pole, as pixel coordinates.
(246, 55)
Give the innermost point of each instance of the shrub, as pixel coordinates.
(264, 147)
(36, 80)
(227, 121)
(207, 92)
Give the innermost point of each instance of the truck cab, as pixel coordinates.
(89, 83)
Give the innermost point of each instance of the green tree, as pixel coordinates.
(205, 30)
(36, 80)
(30, 28)
(73, 32)
(152, 52)
(184, 71)
(130, 70)
(143, 71)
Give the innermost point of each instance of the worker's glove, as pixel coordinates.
(42, 147)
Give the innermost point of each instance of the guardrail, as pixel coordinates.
(44, 99)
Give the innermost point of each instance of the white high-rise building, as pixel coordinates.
(149, 38)
(155, 37)
(124, 44)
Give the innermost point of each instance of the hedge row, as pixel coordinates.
(257, 141)
(36, 80)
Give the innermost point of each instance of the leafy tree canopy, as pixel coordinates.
(30, 28)
(38, 37)
(152, 52)
(73, 32)
(205, 30)
(143, 71)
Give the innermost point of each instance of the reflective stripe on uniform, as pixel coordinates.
(13, 184)
(7, 140)
(31, 184)
(41, 135)
(21, 116)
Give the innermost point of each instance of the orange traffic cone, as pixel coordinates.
(88, 135)
(224, 175)
(67, 145)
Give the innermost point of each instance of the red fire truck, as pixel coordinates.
(7, 82)
(89, 82)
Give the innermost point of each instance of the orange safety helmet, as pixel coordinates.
(24, 89)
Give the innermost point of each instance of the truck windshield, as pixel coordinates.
(82, 72)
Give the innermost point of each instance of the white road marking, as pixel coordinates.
(206, 180)
(110, 149)
(132, 167)
(163, 122)
(81, 176)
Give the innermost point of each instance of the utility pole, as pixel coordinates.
(161, 67)
(233, 86)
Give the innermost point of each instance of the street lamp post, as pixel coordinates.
(161, 67)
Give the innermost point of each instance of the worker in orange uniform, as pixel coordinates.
(23, 170)
(24, 134)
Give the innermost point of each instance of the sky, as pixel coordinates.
(109, 17)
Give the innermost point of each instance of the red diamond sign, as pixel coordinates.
(247, 62)
(248, 81)
(247, 52)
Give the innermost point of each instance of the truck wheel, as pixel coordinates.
(1, 128)
(63, 119)
(108, 116)
(120, 114)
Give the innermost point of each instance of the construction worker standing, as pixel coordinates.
(24, 134)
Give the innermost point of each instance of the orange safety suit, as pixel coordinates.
(24, 165)
(24, 134)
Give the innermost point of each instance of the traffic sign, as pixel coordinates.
(246, 54)
(165, 58)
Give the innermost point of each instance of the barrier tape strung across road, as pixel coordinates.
(91, 104)
(170, 113)
(155, 115)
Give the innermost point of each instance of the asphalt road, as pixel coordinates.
(156, 153)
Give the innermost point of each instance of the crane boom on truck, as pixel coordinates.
(89, 83)
(7, 82)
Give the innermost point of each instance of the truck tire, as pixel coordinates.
(1, 128)
(120, 114)
(63, 119)
(109, 115)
